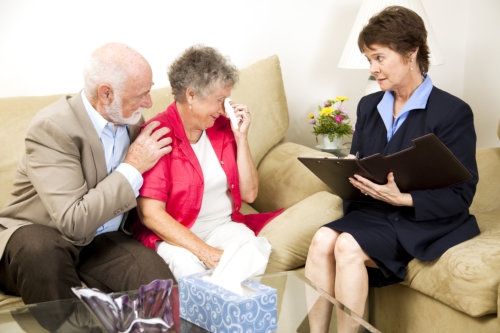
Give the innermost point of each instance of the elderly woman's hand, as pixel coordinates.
(388, 192)
(211, 257)
(248, 176)
(241, 111)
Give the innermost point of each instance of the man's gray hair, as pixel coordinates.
(102, 70)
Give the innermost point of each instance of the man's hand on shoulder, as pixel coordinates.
(149, 146)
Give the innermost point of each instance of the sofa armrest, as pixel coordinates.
(486, 197)
(284, 180)
(498, 290)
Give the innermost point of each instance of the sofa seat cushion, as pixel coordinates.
(466, 277)
(9, 301)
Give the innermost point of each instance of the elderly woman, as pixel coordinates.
(374, 241)
(190, 201)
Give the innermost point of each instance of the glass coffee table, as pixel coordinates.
(301, 307)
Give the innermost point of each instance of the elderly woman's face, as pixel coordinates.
(389, 68)
(209, 108)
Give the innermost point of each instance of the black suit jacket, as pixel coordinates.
(440, 218)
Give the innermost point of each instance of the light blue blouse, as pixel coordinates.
(418, 100)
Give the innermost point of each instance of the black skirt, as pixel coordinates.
(373, 229)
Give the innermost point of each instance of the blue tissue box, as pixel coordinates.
(216, 309)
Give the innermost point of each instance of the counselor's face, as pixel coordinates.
(207, 109)
(390, 69)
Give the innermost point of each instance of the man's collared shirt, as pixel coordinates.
(115, 141)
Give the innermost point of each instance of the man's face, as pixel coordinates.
(129, 102)
(114, 112)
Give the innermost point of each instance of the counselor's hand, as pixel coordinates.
(149, 146)
(388, 192)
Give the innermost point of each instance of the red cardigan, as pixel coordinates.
(177, 178)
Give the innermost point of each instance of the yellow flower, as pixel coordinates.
(326, 111)
(341, 98)
(311, 115)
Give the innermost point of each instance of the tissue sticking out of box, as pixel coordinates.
(240, 262)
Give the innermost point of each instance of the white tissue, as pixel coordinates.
(230, 113)
(241, 262)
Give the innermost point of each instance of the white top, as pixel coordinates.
(216, 206)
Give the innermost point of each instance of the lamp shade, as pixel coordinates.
(351, 56)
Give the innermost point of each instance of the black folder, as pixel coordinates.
(428, 164)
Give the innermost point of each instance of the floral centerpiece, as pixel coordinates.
(332, 120)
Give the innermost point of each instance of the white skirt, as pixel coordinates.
(228, 235)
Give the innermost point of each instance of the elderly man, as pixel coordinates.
(79, 177)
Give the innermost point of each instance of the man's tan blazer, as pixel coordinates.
(61, 180)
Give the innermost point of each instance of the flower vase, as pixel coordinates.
(336, 143)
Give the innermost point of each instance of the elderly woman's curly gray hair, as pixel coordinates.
(202, 69)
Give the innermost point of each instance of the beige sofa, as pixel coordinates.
(457, 293)
(284, 182)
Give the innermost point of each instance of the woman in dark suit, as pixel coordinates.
(374, 241)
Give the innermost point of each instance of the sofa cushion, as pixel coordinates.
(466, 277)
(261, 88)
(15, 115)
(486, 198)
(284, 180)
(8, 301)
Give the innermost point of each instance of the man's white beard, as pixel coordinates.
(114, 112)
